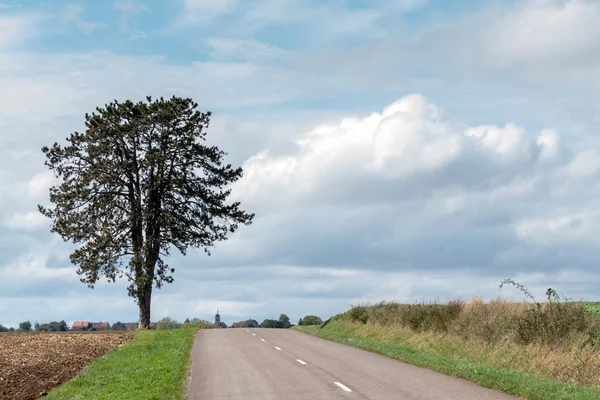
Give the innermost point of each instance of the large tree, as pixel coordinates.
(138, 182)
(25, 326)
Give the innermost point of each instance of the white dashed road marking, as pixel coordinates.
(277, 348)
(254, 334)
(301, 362)
(346, 388)
(263, 340)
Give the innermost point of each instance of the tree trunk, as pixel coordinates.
(144, 298)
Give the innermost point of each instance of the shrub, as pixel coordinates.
(251, 323)
(271, 323)
(555, 322)
(311, 320)
(168, 323)
(359, 314)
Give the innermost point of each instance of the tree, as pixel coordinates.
(36, 326)
(167, 323)
(300, 322)
(62, 326)
(3, 328)
(251, 323)
(285, 321)
(25, 326)
(311, 320)
(138, 182)
(201, 323)
(271, 323)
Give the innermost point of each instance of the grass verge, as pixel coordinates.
(153, 366)
(508, 380)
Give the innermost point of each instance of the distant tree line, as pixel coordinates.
(168, 323)
(26, 326)
(310, 320)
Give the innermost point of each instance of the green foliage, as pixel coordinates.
(3, 328)
(553, 321)
(300, 322)
(271, 323)
(311, 320)
(138, 182)
(324, 324)
(251, 323)
(52, 327)
(285, 321)
(168, 323)
(359, 313)
(25, 326)
(591, 308)
(201, 323)
(11, 329)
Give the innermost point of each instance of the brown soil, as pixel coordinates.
(33, 363)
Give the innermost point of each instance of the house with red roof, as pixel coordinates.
(81, 326)
(100, 326)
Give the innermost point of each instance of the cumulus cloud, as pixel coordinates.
(405, 189)
(410, 140)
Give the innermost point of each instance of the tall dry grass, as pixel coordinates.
(555, 338)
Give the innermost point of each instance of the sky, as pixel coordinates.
(401, 150)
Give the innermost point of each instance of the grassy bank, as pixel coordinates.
(547, 352)
(154, 365)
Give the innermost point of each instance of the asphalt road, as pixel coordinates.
(282, 364)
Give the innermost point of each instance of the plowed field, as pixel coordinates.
(33, 363)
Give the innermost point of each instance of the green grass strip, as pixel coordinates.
(152, 366)
(506, 380)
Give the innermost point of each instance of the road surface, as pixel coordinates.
(283, 364)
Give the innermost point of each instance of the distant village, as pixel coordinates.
(105, 326)
(165, 323)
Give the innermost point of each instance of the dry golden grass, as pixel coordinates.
(556, 340)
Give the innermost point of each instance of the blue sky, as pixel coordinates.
(401, 149)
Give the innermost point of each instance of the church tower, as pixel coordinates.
(217, 319)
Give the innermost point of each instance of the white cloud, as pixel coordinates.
(204, 10)
(39, 184)
(409, 139)
(246, 49)
(29, 221)
(550, 32)
(72, 15)
(585, 165)
(15, 30)
(541, 39)
(130, 7)
(407, 189)
(559, 229)
(128, 10)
